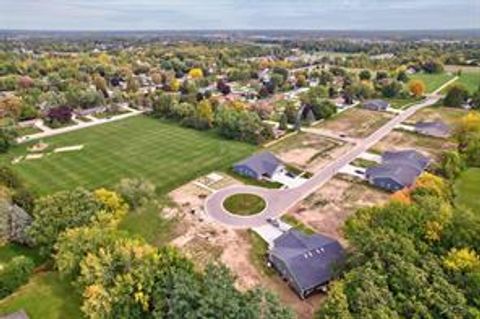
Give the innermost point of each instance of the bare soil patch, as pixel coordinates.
(309, 151)
(327, 209)
(399, 140)
(446, 114)
(356, 122)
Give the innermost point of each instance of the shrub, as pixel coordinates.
(14, 274)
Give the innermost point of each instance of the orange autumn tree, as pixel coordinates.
(402, 196)
(416, 87)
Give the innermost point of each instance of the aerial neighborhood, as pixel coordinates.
(232, 175)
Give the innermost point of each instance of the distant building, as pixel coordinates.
(376, 105)
(306, 262)
(434, 128)
(259, 166)
(397, 170)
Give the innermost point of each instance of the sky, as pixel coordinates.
(239, 14)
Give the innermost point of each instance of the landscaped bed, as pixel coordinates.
(244, 204)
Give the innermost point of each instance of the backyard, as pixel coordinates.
(166, 154)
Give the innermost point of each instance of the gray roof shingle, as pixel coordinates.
(433, 128)
(262, 163)
(309, 258)
(21, 314)
(407, 157)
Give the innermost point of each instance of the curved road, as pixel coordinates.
(279, 201)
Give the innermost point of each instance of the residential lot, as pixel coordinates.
(399, 140)
(356, 122)
(165, 154)
(308, 151)
(326, 210)
(446, 114)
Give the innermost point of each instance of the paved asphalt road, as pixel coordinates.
(280, 201)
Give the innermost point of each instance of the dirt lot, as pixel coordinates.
(205, 241)
(327, 209)
(446, 114)
(398, 140)
(308, 151)
(356, 122)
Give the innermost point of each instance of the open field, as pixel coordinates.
(356, 122)
(46, 295)
(467, 189)
(432, 81)
(166, 154)
(308, 151)
(471, 80)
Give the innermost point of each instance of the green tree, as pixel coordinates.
(456, 96)
(55, 213)
(365, 75)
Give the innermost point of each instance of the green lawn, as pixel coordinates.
(9, 251)
(432, 81)
(148, 223)
(166, 154)
(467, 189)
(471, 80)
(244, 204)
(45, 296)
(298, 225)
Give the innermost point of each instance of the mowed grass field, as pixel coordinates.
(467, 189)
(432, 81)
(166, 154)
(471, 80)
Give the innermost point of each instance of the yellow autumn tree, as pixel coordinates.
(174, 85)
(432, 183)
(461, 259)
(196, 73)
(469, 123)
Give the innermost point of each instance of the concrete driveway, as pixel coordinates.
(279, 201)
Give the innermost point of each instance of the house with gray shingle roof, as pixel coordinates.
(259, 166)
(376, 105)
(397, 170)
(306, 262)
(433, 128)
